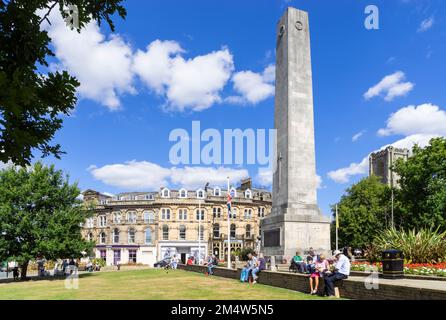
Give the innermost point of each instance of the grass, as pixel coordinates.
(150, 284)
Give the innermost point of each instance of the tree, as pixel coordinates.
(32, 103)
(422, 192)
(40, 215)
(363, 212)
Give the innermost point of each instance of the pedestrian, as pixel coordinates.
(118, 264)
(175, 261)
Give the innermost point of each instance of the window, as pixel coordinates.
(200, 214)
(216, 212)
(201, 233)
(232, 230)
(233, 214)
(248, 194)
(149, 217)
(183, 193)
(165, 193)
(248, 231)
(117, 217)
(148, 236)
(248, 214)
(104, 255)
(148, 197)
(261, 212)
(116, 236)
(90, 237)
(182, 232)
(102, 238)
(216, 230)
(102, 221)
(217, 192)
(132, 256)
(182, 214)
(233, 192)
(131, 217)
(165, 232)
(165, 214)
(90, 223)
(200, 194)
(131, 235)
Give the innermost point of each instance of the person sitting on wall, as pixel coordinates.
(298, 264)
(210, 265)
(341, 272)
(190, 261)
(250, 266)
(321, 266)
(261, 265)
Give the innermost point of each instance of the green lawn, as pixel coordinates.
(151, 284)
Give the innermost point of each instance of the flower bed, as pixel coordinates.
(420, 269)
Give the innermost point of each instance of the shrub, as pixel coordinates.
(243, 255)
(423, 246)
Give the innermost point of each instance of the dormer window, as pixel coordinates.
(217, 192)
(165, 193)
(248, 194)
(148, 197)
(233, 192)
(183, 193)
(200, 194)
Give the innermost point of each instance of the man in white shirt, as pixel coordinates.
(342, 271)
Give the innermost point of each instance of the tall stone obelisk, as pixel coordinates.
(295, 223)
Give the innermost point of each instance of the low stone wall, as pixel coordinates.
(349, 289)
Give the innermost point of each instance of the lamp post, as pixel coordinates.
(229, 229)
(199, 231)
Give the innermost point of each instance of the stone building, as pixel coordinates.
(145, 227)
(381, 162)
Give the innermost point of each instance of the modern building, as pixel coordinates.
(381, 162)
(145, 227)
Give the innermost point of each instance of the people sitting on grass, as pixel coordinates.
(320, 268)
(249, 267)
(298, 264)
(341, 271)
(261, 265)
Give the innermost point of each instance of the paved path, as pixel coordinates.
(422, 284)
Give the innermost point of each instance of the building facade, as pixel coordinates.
(145, 227)
(381, 162)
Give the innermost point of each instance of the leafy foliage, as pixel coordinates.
(422, 193)
(423, 246)
(40, 215)
(31, 103)
(363, 212)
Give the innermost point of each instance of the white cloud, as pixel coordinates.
(195, 177)
(193, 84)
(102, 65)
(357, 136)
(391, 86)
(426, 24)
(418, 124)
(423, 119)
(343, 175)
(134, 175)
(253, 87)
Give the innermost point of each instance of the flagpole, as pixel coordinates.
(229, 231)
(337, 227)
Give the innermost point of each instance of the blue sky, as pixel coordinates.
(211, 64)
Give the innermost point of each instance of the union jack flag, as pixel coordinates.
(230, 196)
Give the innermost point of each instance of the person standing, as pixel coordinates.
(175, 261)
(341, 272)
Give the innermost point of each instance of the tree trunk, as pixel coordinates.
(23, 270)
